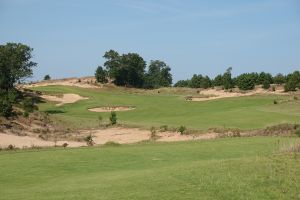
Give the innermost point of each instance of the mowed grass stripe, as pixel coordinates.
(231, 168)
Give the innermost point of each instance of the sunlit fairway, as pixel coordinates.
(231, 168)
(173, 110)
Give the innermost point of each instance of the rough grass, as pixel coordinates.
(231, 168)
(172, 109)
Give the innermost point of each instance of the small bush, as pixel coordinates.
(266, 85)
(153, 133)
(113, 118)
(295, 98)
(89, 140)
(164, 128)
(273, 88)
(65, 145)
(275, 102)
(6, 109)
(182, 129)
(10, 147)
(28, 105)
(47, 77)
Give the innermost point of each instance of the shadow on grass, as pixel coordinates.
(55, 111)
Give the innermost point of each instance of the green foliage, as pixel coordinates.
(47, 77)
(279, 79)
(127, 69)
(158, 75)
(227, 80)
(264, 79)
(266, 85)
(182, 130)
(28, 104)
(218, 81)
(293, 81)
(246, 81)
(163, 128)
(6, 109)
(113, 118)
(101, 75)
(182, 83)
(15, 64)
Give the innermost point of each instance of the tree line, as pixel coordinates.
(130, 70)
(245, 81)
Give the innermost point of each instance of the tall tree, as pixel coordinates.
(101, 75)
(15, 64)
(158, 75)
(112, 63)
(227, 80)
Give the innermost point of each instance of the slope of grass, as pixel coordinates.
(172, 110)
(232, 168)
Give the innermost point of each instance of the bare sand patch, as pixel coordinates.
(65, 99)
(111, 108)
(28, 141)
(84, 82)
(124, 135)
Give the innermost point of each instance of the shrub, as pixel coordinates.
(10, 147)
(65, 145)
(28, 105)
(6, 109)
(182, 129)
(163, 128)
(47, 77)
(113, 118)
(266, 85)
(275, 102)
(153, 133)
(89, 140)
(246, 81)
(101, 75)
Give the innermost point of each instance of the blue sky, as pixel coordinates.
(69, 37)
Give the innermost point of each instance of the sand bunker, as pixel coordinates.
(211, 94)
(111, 108)
(27, 141)
(65, 99)
(120, 135)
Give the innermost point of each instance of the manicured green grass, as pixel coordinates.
(173, 110)
(231, 168)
